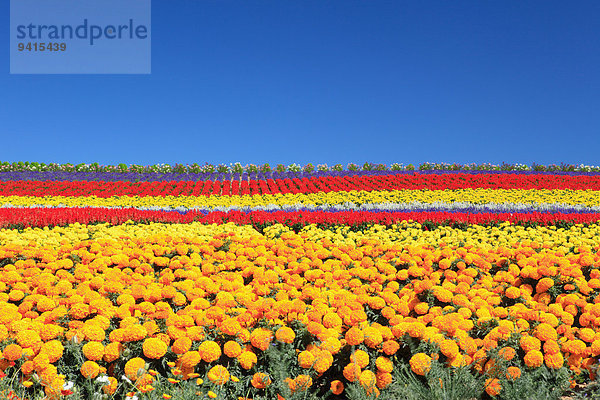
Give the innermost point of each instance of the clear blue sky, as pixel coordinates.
(327, 81)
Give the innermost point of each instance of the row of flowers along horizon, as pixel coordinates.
(341, 286)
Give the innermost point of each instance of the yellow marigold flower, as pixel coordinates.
(372, 337)
(190, 359)
(154, 348)
(285, 334)
(209, 351)
(367, 379)
(27, 368)
(261, 380)
(420, 363)
(12, 352)
(360, 357)
(218, 375)
(332, 320)
(513, 292)
(384, 364)
(90, 369)
(247, 359)
(211, 394)
(93, 351)
(135, 368)
(533, 358)
(94, 333)
(306, 359)
(28, 338)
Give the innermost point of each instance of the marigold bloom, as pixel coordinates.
(303, 382)
(93, 351)
(181, 345)
(354, 336)
(420, 363)
(285, 334)
(384, 364)
(154, 348)
(112, 351)
(218, 375)
(261, 380)
(12, 352)
(135, 368)
(492, 386)
(360, 357)
(247, 359)
(261, 338)
(90, 369)
(336, 387)
(533, 358)
(367, 379)
(209, 351)
(513, 373)
(554, 361)
(306, 359)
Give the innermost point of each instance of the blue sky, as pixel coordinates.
(327, 82)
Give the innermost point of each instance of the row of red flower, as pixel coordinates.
(299, 185)
(39, 217)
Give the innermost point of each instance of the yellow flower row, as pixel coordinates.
(476, 196)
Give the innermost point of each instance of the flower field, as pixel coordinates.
(298, 283)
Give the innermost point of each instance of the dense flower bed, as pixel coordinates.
(164, 304)
(295, 285)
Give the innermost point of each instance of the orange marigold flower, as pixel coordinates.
(390, 347)
(545, 332)
(351, 372)
(513, 373)
(209, 351)
(190, 359)
(449, 348)
(232, 349)
(110, 387)
(112, 351)
(533, 358)
(90, 369)
(28, 338)
(181, 345)
(285, 334)
(508, 353)
(135, 368)
(261, 338)
(354, 336)
(383, 379)
(154, 348)
(492, 386)
(529, 343)
(93, 351)
(261, 380)
(12, 352)
(372, 337)
(337, 387)
(420, 363)
(303, 382)
(218, 375)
